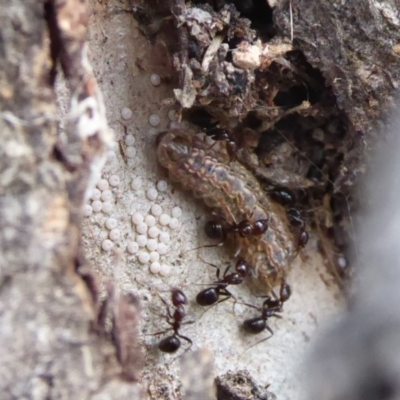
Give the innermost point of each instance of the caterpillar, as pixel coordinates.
(235, 194)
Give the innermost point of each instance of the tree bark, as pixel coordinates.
(55, 339)
(52, 345)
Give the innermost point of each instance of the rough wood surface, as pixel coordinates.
(356, 46)
(50, 349)
(56, 342)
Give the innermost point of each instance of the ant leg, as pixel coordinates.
(267, 298)
(202, 247)
(223, 292)
(188, 322)
(159, 333)
(187, 339)
(262, 340)
(167, 307)
(218, 273)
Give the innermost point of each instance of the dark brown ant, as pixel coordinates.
(211, 295)
(303, 239)
(270, 308)
(219, 134)
(172, 343)
(217, 230)
(297, 221)
(283, 196)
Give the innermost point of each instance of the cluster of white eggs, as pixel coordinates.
(148, 240)
(151, 238)
(101, 196)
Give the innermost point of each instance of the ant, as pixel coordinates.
(216, 230)
(172, 343)
(210, 296)
(283, 196)
(270, 308)
(297, 221)
(219, 134)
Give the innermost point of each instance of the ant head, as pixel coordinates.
(245, 228)
(178, 297)
(260, 226)
(285, 291)
(242, 268)
(234, 279)
(303, 239)
(283, 196)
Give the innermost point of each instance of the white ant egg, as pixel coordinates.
(176, 212)
(111, 155)
(164, 237)
(153, 232)
(172, 115)
(102, 184)
(162, 186)
(136, 184)
(129, 140)
(151, 194)
(154, 256)
(156, 210)
(342, 262)
(155, 267)
(152, 132)
(141, 228)
(144, 257)
(162, 249)
(97, 206)
(164, 219)
(114, 234)
(111, 223)
(126, 113)
(174, 223)
(96, 194)
(106, 195)
(151, 245)
(107, 245)
(87, 210)
(137, 218)
(130, 151)
(154, 120)
(150, 220)
(141, 240)
(155, 79)
(164, 270)
(132, 247)
(114, 180)
(106, 207)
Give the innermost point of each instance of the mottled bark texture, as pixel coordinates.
(356, 46)
(53, 346)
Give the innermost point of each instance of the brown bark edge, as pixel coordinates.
(53, 343)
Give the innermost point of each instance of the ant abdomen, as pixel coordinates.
(254, 325)
(207, 297)
(170, 344)
(214, 230)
